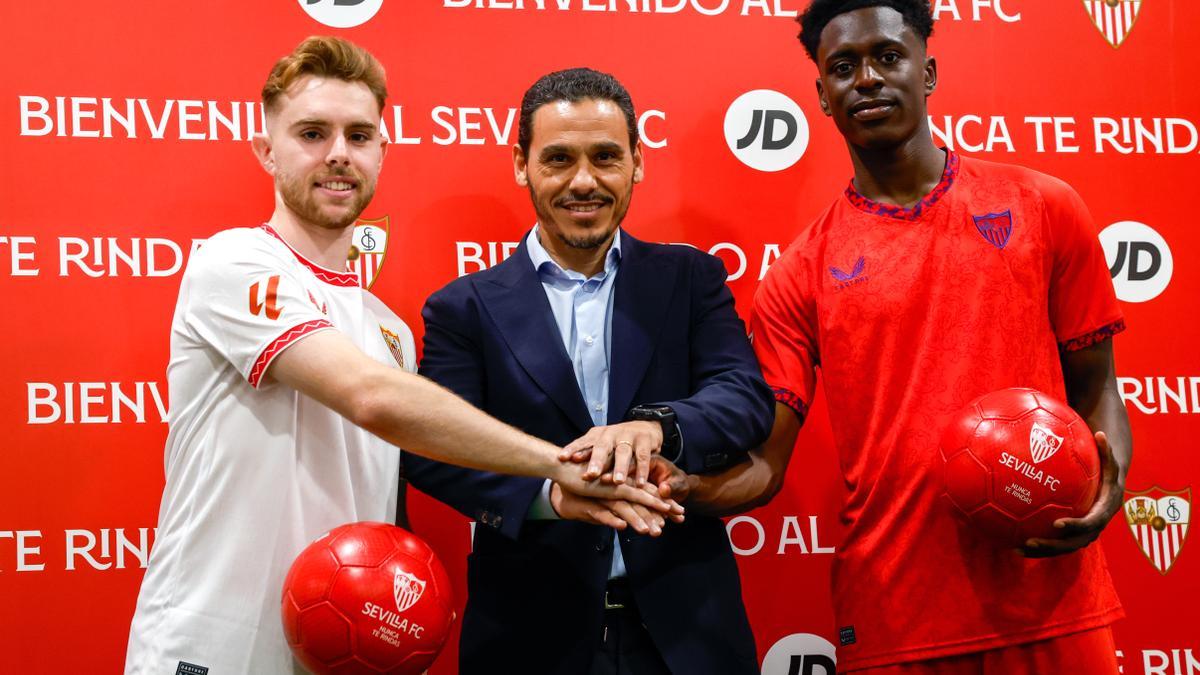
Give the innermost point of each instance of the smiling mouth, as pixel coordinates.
(336, 185)
(583, 207)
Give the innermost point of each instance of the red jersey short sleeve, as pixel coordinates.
(783, 332)
(1083, 304)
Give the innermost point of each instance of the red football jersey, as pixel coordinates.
(910, 314)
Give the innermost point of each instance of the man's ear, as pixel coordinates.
(264, 151)
(639, 168)
(824, 100)
(520, 166)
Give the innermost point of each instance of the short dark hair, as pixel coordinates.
(917, 15)
(574, 85)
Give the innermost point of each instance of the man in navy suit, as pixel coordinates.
(635, 351)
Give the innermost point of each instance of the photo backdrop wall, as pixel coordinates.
(124, 133)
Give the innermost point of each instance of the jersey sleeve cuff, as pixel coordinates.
(791, 400)
(1093, 337)
(276, 347)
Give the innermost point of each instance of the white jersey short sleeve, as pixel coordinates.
(254, 470)
(248, 302)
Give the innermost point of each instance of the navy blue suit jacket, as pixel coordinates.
(535, 588)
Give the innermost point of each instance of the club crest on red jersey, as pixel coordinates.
(367, 249)
(1113, 18)
(995, 228)
(408, 589)
(1043, 443)
(1158, 520)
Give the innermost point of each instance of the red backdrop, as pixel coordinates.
(123, 129)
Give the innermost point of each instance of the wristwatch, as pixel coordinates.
(664, 415)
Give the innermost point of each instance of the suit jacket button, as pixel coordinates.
(602, 547)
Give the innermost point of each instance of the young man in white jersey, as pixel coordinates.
(286, 402)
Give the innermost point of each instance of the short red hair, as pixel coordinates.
(330, 57)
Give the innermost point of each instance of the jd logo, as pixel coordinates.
(806, 664)
(766, 130)
(800, 654)
(769, 141)
(1134, 252)
(341, 13)
(1139, 260)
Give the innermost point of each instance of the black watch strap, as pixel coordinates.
(665, 416)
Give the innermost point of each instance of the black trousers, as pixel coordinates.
(625, 647)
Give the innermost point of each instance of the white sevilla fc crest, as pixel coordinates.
(1043, 443)
(407, 589)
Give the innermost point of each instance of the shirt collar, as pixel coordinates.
(949, 174)
(544, 264)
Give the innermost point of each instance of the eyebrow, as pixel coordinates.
(875, 46)
(318, 122)
(556, 148)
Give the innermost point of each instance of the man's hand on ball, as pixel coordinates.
(1079, 532)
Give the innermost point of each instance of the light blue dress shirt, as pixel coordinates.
(582, 308)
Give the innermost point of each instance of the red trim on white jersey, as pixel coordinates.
(327, 275)
(279, 344)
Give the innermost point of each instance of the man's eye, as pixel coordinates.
(890, 58)
(310, 135)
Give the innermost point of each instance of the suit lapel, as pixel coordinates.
(516, 302)
(644, 288)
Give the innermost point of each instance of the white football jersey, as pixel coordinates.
(255, 471)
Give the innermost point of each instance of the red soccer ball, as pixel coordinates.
(1016, 460)
(367, 598)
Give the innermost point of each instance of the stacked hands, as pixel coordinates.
(614, 476)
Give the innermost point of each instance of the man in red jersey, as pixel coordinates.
(933, 279)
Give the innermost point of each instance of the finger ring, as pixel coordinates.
(625, 443)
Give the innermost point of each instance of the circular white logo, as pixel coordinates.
(1138, 259)
(801, 654)
(766, 130)
(341, 13)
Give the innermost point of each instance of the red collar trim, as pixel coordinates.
(327, 275)
(899, 212)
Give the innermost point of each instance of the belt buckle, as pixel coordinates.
(608, 604)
